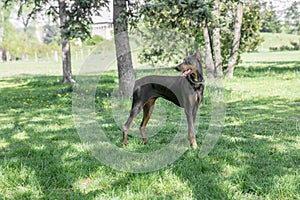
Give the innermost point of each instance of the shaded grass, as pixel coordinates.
(257, 157)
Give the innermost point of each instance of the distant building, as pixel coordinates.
(104, 29)
(103, 25)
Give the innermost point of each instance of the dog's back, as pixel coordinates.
(171, 88)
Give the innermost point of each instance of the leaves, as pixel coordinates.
(78, 14)
(172, 17)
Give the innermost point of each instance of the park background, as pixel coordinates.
(42, 156)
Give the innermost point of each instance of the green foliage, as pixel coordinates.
(294, 46)
(78, 14)
(80, 17)
(270, 21)
(180, 14)
(250, 35)
(163, 20)
(18, 43)
(292, 20)
(165, 45)
(94, 40)
(51, 34)
(22, 45)
(187, 17)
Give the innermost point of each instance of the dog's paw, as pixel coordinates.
(194, 144)
(145, 141)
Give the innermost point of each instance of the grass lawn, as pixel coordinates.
(257, 157)
(277, 39)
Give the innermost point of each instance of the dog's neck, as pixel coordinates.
(194, 80)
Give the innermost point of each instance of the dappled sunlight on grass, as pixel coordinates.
(257, 157)
(3, 143)
(245, 88)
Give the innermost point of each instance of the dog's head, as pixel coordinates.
(191, 67)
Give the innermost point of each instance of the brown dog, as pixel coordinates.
(185, 91)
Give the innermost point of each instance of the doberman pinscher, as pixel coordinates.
(185, 91)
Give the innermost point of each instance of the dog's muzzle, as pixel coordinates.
(178, 67)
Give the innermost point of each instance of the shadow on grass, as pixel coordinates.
(42, 156)
(257, 156)
(267, 69)
(41, 151)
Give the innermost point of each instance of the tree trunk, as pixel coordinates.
(217, 42)
(209, 62)
(65, 42)
(236, 41)
(125, 69)
(66, 61)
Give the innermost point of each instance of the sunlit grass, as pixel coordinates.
(277, 39)
(257, 157)
(269, 59)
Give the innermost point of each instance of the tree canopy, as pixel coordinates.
(75, 18)
(188, 16)
(79, 13)
(292, 18)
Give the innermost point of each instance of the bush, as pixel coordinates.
(96, 39)
(294, 46)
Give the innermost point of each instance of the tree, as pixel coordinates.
(16, 42)
(51, 33)
(217, 39)
(236, 41)
(211, 23)
(75, 16)
(270, 21)
(209, 61)
(292, 18)
(65, 42)
(124, 60)
(184, 17)
(250, 30)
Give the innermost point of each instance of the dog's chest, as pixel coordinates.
(196, 97)
(193, 98)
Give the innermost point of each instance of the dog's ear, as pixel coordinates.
(189, 53)
(198, 55)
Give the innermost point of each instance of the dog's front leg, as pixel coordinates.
(191, 130)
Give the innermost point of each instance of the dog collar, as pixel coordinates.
(195, 83)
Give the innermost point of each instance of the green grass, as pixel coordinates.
(9, 69)
(257, 157)
(277, 39)
(271, 58)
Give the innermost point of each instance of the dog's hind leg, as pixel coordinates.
(147, 109)
(135, 110)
